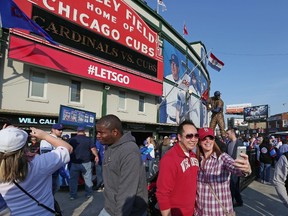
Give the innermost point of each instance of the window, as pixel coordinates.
(75, 91)
(122, 100)
(285, 123)
(37, 85)
(141, 103)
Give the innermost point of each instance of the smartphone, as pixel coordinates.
(240, 149)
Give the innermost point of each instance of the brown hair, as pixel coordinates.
(13, 166)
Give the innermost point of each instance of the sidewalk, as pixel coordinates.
(80, 206)
(259, 200)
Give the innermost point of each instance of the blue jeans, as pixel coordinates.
(265, 172)
(86, 170)
(99, 176)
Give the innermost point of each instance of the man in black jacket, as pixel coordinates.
(266, 159)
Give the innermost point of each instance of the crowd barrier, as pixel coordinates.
(245, 181)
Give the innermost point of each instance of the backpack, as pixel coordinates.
(286, 182)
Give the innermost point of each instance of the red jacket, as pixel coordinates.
(176, 183)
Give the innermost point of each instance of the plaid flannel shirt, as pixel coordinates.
(215, 172)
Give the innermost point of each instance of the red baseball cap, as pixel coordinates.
(204, 132)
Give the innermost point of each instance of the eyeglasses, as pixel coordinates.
(190, 136)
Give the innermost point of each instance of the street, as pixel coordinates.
(259, 200)
(80, 206)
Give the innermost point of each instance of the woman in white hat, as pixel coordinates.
(33, 176)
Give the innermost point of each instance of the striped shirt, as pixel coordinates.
(215, 172)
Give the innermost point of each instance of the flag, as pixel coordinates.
(215, 63)
(205, 96)
(185, 31)
(13, 17)
(161, 3)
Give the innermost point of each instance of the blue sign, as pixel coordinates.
(76, 117)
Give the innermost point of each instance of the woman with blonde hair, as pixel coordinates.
(213, 182)
(151, 145)
(23, 179)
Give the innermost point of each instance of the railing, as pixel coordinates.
(245, 181)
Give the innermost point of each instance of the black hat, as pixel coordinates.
(174, 59)
(217, 93)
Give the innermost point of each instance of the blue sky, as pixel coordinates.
(249, 36)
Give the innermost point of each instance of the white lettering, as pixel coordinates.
(81, 19)
(108, 74)
(108, 4)
(185, 164)
(138, 45)
(62, 9)
(138, 24)
(105, 29)
(23, 120)
(45, 3)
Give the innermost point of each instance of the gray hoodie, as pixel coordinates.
(280, 174)
(124, 178)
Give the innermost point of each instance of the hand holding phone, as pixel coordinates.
(240, 149)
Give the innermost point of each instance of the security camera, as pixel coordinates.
(107, 87)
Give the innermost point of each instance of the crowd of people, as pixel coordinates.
(197, 172)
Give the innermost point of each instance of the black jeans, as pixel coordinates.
(235, 189)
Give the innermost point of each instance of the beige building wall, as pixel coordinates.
(15, 95)
(131, 112)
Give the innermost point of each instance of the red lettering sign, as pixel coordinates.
(113, 19)
(37, 54)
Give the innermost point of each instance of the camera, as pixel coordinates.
(4, 121)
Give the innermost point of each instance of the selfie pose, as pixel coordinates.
(213, 191)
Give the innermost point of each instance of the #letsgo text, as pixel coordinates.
(108, 74)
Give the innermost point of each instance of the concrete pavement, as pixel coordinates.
(259, 200)
(80, 206)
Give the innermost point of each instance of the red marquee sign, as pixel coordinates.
(37, 54)
(113, 19)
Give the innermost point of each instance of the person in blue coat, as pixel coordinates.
(100, 149)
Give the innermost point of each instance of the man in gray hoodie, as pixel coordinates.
(124, 177)
(280, 178)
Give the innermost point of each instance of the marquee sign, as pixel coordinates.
(76, 37)
(38, 54)
(113, 19)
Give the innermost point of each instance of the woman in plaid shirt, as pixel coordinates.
(215, 169)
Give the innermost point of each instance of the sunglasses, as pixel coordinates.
(208, 137)
(190, 136)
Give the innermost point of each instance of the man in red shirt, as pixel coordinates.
(176, 183)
